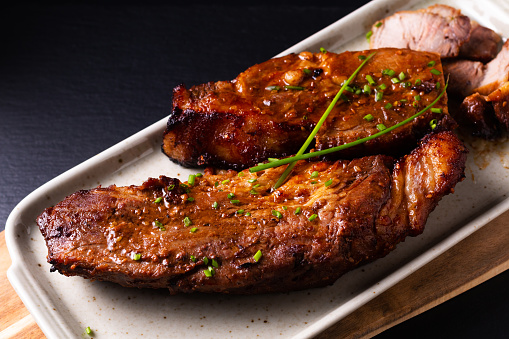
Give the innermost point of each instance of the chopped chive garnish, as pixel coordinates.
(431, 63)
(190, 199)
(205, 260)
(415, 104)
(253, 191)
(231, 196)
(252, 180)
(436, 110)
(158, 200)
(323, 50)
(418, 82)
(297, 210)
(285, 208)
(240, 211)
(214, 263)
(256, 185)
(378, 24)
(368, 117)
(362, 57)
(277, 214)
(314, 182)
(257, 256)
(224, 182)
(88, 330)
(235, 201)
(369, 34)
(191, 179)
(240, 174)
(378, 96)
(349, 89)
(438, 85)
(401, 76)
(199, 175)
(417, 97)
(388, 105)
(313, 217)
(307, 71)
(381, 127)
(388, 72)
(319, 124)
(170, 187)
(136, 256)
(193, 258)
(395, 80)
(328, 182)
(314, 174)
(215, 205)
(158, 224)
(247, 214)
(187, 222)
(369, 78)
(382, 86)
(299, 88)
(216, 184)
(435, 71)
(193, 230)
(433, 123)
(208, 273)
(366, 89)
(272, 88)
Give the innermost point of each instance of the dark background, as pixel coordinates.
(79, 77)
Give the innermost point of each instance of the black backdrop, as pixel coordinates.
(78, 77)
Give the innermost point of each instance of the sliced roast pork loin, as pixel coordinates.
(483, 44)
(438, 28)
(270, 109)
(231, 233)
(483, 90)
(467, 77)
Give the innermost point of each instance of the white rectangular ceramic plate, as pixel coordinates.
(64, 306)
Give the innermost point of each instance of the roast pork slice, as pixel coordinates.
(439, 28)
(483, 45)
(467, 77)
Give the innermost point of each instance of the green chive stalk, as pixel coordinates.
(344, 146)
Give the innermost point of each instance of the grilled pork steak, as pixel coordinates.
(328, 218)
(270, 109)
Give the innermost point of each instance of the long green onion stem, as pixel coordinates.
(344, 146)
(310, 138)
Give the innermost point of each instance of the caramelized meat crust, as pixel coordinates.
(327, 219)
(270, 109)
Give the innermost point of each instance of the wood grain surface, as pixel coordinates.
(474, 260)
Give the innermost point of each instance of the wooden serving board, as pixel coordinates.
(454, 272)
